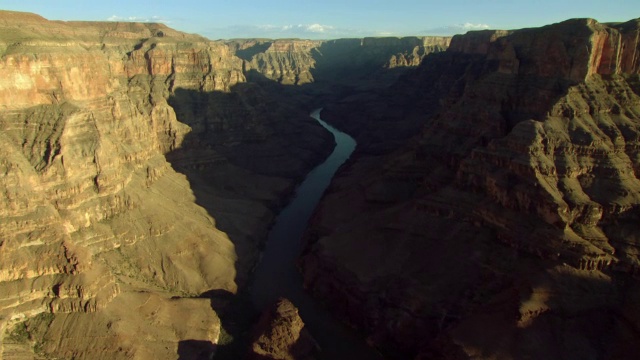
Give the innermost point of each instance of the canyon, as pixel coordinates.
(490, 209)
(141, 170)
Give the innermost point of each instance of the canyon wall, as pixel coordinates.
(95, 222)
(494, 203)
(347, 61)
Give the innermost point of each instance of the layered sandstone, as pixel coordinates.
(85, 124)
(550, 51)
(347, 61)
(289, 62)
(508, 226)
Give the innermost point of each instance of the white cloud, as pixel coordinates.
(303, 31)
(470, 26)
(318, 28)
(154, 18)
(300, 28)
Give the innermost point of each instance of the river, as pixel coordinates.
(276, 275)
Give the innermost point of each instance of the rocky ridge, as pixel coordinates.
(299, 62)
(507, 225)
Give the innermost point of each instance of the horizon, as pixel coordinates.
(332, 19)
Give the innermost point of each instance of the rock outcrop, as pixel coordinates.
(289, 62)
(280, 334)
(494, 204)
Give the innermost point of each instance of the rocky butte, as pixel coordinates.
(141, 168)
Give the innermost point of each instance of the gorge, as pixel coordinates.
(490, 209)
(276, 275)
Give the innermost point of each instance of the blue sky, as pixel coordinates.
(332, 18)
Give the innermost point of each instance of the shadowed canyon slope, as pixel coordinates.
(141, 167)
(495, 205)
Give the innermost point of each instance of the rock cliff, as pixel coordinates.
(347, 61)
(494, 203)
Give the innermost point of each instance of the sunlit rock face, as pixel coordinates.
(92, 212)
(494, 207)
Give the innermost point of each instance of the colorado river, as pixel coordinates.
(276, 275)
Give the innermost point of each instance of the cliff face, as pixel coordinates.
(574, 49)
(85, 124)
(348, 61)
(288, 62)
(508, 223)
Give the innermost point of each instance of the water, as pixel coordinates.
(276, 275)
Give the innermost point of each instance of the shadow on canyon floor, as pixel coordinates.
(247, 150)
